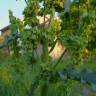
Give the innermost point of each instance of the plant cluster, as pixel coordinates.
(32, 74)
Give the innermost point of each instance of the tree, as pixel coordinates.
(74, 30)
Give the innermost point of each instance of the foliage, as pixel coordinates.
(34, 74)
(14, 77)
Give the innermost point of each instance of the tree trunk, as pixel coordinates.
(45, 51)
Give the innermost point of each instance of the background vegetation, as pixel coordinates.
(26, 73)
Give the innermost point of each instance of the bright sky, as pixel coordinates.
(16, 7)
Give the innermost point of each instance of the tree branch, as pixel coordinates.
(53, 46)
(60, 57)
(26, 2)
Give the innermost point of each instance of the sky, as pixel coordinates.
(5, 5)
(17, 8)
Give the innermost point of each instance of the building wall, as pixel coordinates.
(6, 33)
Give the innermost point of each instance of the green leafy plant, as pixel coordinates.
(34, 74)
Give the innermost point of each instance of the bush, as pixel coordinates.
(15, 77)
